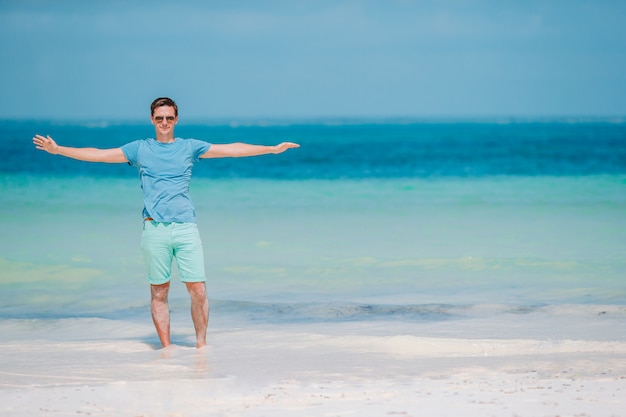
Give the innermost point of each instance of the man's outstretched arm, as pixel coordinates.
(113, 155)
(238, 149)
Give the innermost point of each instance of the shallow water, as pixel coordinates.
(521, 241)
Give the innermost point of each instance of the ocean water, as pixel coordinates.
(381, 224)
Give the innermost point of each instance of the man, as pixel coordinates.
(170, 229)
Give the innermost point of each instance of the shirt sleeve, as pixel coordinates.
(131, 150)
(199, 148)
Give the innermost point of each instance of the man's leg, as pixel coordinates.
(190, 258)
(161, 311)
(199, 310)
(158, 254)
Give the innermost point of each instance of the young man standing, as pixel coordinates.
(170, 229)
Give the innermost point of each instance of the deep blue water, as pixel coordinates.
(349, 151)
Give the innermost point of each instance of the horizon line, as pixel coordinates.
(262, 121)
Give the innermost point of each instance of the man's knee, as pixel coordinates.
(196, 289)
(160, 292)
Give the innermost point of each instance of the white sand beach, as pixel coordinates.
(331, 369)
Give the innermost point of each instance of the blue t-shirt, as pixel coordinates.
(165, 172)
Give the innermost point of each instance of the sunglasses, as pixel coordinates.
(169, 119)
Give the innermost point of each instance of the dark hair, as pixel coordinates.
(163, 101)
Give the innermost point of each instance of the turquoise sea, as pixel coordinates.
(377, 222)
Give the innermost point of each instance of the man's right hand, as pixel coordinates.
(46, 144)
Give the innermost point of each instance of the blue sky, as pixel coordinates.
(247, 59)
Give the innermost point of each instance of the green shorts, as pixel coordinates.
(162, 242)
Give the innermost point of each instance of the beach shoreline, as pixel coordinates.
(289, 371)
